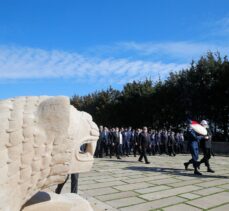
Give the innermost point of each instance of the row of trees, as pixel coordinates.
(199, 92)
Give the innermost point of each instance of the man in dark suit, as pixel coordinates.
(98, 151)
(136, 142)
(116, 140)
(144, 139)
(105, 141)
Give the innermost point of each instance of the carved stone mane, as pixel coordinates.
(39, 145)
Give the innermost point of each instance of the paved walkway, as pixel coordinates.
(129, 185)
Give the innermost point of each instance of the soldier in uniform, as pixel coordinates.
(144, 139)
(193, 142)
(206, 147)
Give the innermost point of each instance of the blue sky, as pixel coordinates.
(72, 47)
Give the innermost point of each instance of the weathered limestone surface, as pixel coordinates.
(40, 139)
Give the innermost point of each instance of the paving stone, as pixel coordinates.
(98, 205)
(222, 208)
(208, 191)
(214, 183)
(87, 178)
(132, 186)
(181, 207)
(187, 177)
(138, 176)
(100, 191)
(189, 195)
(125, 202)
(100, 185)
(152, 189)
(170, 192)
(165, 177)
(145, 179)
(154, 204)
(211, 201)
(164, 181)
(112, 179)
(225, 186)
(118, 195)
(87, 182)
(184, 183)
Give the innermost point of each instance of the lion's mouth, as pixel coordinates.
(87, 149)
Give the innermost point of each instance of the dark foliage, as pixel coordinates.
(199, 92)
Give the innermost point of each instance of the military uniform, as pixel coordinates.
(206, 146)
(193, 142)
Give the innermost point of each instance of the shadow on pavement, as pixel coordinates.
(173, 171)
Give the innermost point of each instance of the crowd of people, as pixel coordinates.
(143, 142)
(126, 141)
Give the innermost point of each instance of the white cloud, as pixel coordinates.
(176, 50)
(220, 27)
(30, 63)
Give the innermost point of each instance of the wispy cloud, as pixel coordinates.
(219, 27)
(178, 51)
(30, 63)
(169, 52)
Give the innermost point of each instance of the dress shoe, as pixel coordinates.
(186, 166)
(196, 172)
(210, 170)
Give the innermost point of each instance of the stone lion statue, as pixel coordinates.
(40, 139)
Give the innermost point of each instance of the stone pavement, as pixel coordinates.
(128, 185)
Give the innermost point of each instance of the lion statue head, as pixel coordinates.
(40, 139)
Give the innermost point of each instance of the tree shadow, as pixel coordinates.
(173, 171)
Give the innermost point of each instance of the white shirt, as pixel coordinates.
(120, 138)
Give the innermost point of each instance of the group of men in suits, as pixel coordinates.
(120, 142)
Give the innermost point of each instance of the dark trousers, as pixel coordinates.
(171, 150)
(207, 156)
(74, 184)
(194, 149)
(153, 149)
(158, 149)
(104, 149)
(115, 148)
(143, 155)
(136, 150)
(112, 149)
(98, 149)
(126, 148)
